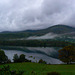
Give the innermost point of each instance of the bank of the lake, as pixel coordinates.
(48, 54)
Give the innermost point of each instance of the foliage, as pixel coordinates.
(67, 54)
(20, 58)
(8, 61)
(36, 43)
(33, 73)
(42, 61)
(3, 57)
(6, 71)
(53, 73)
(15, 58)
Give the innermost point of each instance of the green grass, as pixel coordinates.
(42, 69)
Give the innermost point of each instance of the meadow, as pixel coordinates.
(41, 69)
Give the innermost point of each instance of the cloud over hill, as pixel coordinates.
(18, 15)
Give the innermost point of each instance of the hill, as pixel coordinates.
(60, 29)
(57, 29)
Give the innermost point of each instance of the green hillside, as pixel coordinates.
(42, 69)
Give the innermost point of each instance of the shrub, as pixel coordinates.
(8, 61)
(67, 54)
(53, 73)
(15, 58)
(3, 57)
(33, 73)
(20, 58)
(42, 61)
(6, 71)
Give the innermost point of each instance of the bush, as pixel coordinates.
(3, 57)
(15, 58)
(33, 73)
(20, 58)
(8, 61)
(6, 71)
(67, 54)
(42, 61)
(53, 73)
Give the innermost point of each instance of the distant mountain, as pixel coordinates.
(57, 29)
(60, 29)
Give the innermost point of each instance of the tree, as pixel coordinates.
(67, 54)
(8, 61)
(42, 61)
(22, 58)
(15, 58)
(3, 57)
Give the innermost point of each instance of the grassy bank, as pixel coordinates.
(42, 69)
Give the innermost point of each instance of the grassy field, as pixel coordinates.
(42, 69)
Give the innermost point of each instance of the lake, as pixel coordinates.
(48, 54)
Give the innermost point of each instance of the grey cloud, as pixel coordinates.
(18, 15)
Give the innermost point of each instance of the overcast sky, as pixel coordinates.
(18, 15)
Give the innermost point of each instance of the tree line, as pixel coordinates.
(16, 58)
(66, 55)
(35, 43)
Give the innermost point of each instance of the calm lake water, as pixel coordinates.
(48, 54)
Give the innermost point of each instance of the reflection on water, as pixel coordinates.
(49, 54)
